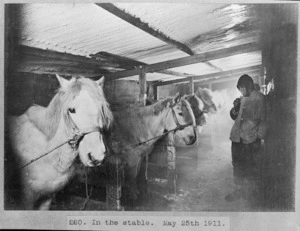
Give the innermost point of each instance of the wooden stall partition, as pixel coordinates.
(143, 87)
(171, 163)
(279, 57)
(114, 183)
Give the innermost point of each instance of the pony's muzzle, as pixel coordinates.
(191, 139)
(92, 150)
(93, 161)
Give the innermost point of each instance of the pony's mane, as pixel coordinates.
(98, 95)
(47, 119)
(135, 110)
(204, 92)
(205, 95)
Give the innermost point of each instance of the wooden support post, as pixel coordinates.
(143, 87)
(171, 157)
(155, 92)
(192, 87)
(261, 78)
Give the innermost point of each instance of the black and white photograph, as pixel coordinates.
(150, 115)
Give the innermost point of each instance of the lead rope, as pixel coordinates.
(180, 127)
(72, 142)
(146, 172)
(118, 184)
(86, 190)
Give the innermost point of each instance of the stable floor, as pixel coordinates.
(204, 178)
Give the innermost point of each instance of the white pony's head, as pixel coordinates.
(182, 114)
(86, 112)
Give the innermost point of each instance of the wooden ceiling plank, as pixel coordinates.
(217, 54)
(145, 27)
(135, 21)
(213, 75)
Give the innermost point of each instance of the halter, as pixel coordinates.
(78, 135)
(179, 126)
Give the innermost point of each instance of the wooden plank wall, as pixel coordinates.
(24, 89)
(121, 92)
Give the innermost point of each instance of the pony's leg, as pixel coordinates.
(131, 171)
(142, 183)
(130, 182)
(45, 203)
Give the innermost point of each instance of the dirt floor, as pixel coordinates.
(204, 179)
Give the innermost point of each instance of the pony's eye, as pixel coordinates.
(180, 113)
(72, 110)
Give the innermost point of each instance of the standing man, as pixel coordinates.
(246, 135)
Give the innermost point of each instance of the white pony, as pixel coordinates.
(144, 126)
(77, 113)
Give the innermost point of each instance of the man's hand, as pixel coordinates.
(236, 104)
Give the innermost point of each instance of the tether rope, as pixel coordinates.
(165, 133)
(88, 195)
(71, 141)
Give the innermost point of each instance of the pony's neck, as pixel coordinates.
(48, 119)
(64, 156)
(156, 124)
(52, 125)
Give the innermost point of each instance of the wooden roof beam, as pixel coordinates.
(60, 56)
(217, 54)
(214, 75)
(36, 60)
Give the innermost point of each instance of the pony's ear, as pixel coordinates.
(176, 98)
(100, 81)
(199, 91)
(187, 96)
(62, 81)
